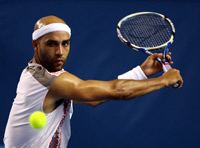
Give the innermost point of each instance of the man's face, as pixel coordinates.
(53, 49)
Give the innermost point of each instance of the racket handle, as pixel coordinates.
(165, 66)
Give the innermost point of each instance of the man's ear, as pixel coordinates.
(34, 44)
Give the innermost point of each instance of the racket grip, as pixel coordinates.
(166, 66)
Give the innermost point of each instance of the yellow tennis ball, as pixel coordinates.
(37, 120)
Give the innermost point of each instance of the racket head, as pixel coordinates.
(147, 30)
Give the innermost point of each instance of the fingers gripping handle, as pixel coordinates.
(165, 66)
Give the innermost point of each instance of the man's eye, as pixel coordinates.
(51, 44)
(66, 43)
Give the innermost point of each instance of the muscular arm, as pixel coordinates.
(72, 87)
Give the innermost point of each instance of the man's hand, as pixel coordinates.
(151, 66)
(171, 77)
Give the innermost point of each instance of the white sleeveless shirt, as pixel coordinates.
(31, 91)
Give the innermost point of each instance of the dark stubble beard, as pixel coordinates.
(50, 63)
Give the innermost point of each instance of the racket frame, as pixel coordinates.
(135, 47)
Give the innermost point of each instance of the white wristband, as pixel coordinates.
(136, 74)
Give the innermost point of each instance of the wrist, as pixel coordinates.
(163, 81)
(141, 74)
(143, 68)
(148, 70)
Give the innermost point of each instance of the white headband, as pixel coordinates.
(50, 28)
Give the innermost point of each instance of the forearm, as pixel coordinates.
(126, 89)
(119, 89)
(136, 74)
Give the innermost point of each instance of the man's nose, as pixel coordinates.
(59, 50)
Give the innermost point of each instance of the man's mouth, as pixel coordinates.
(59, 62)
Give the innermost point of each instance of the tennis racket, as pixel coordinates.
(148, 32)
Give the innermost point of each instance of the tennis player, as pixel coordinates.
(45, 86)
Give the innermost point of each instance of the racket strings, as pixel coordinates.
(146, 30)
